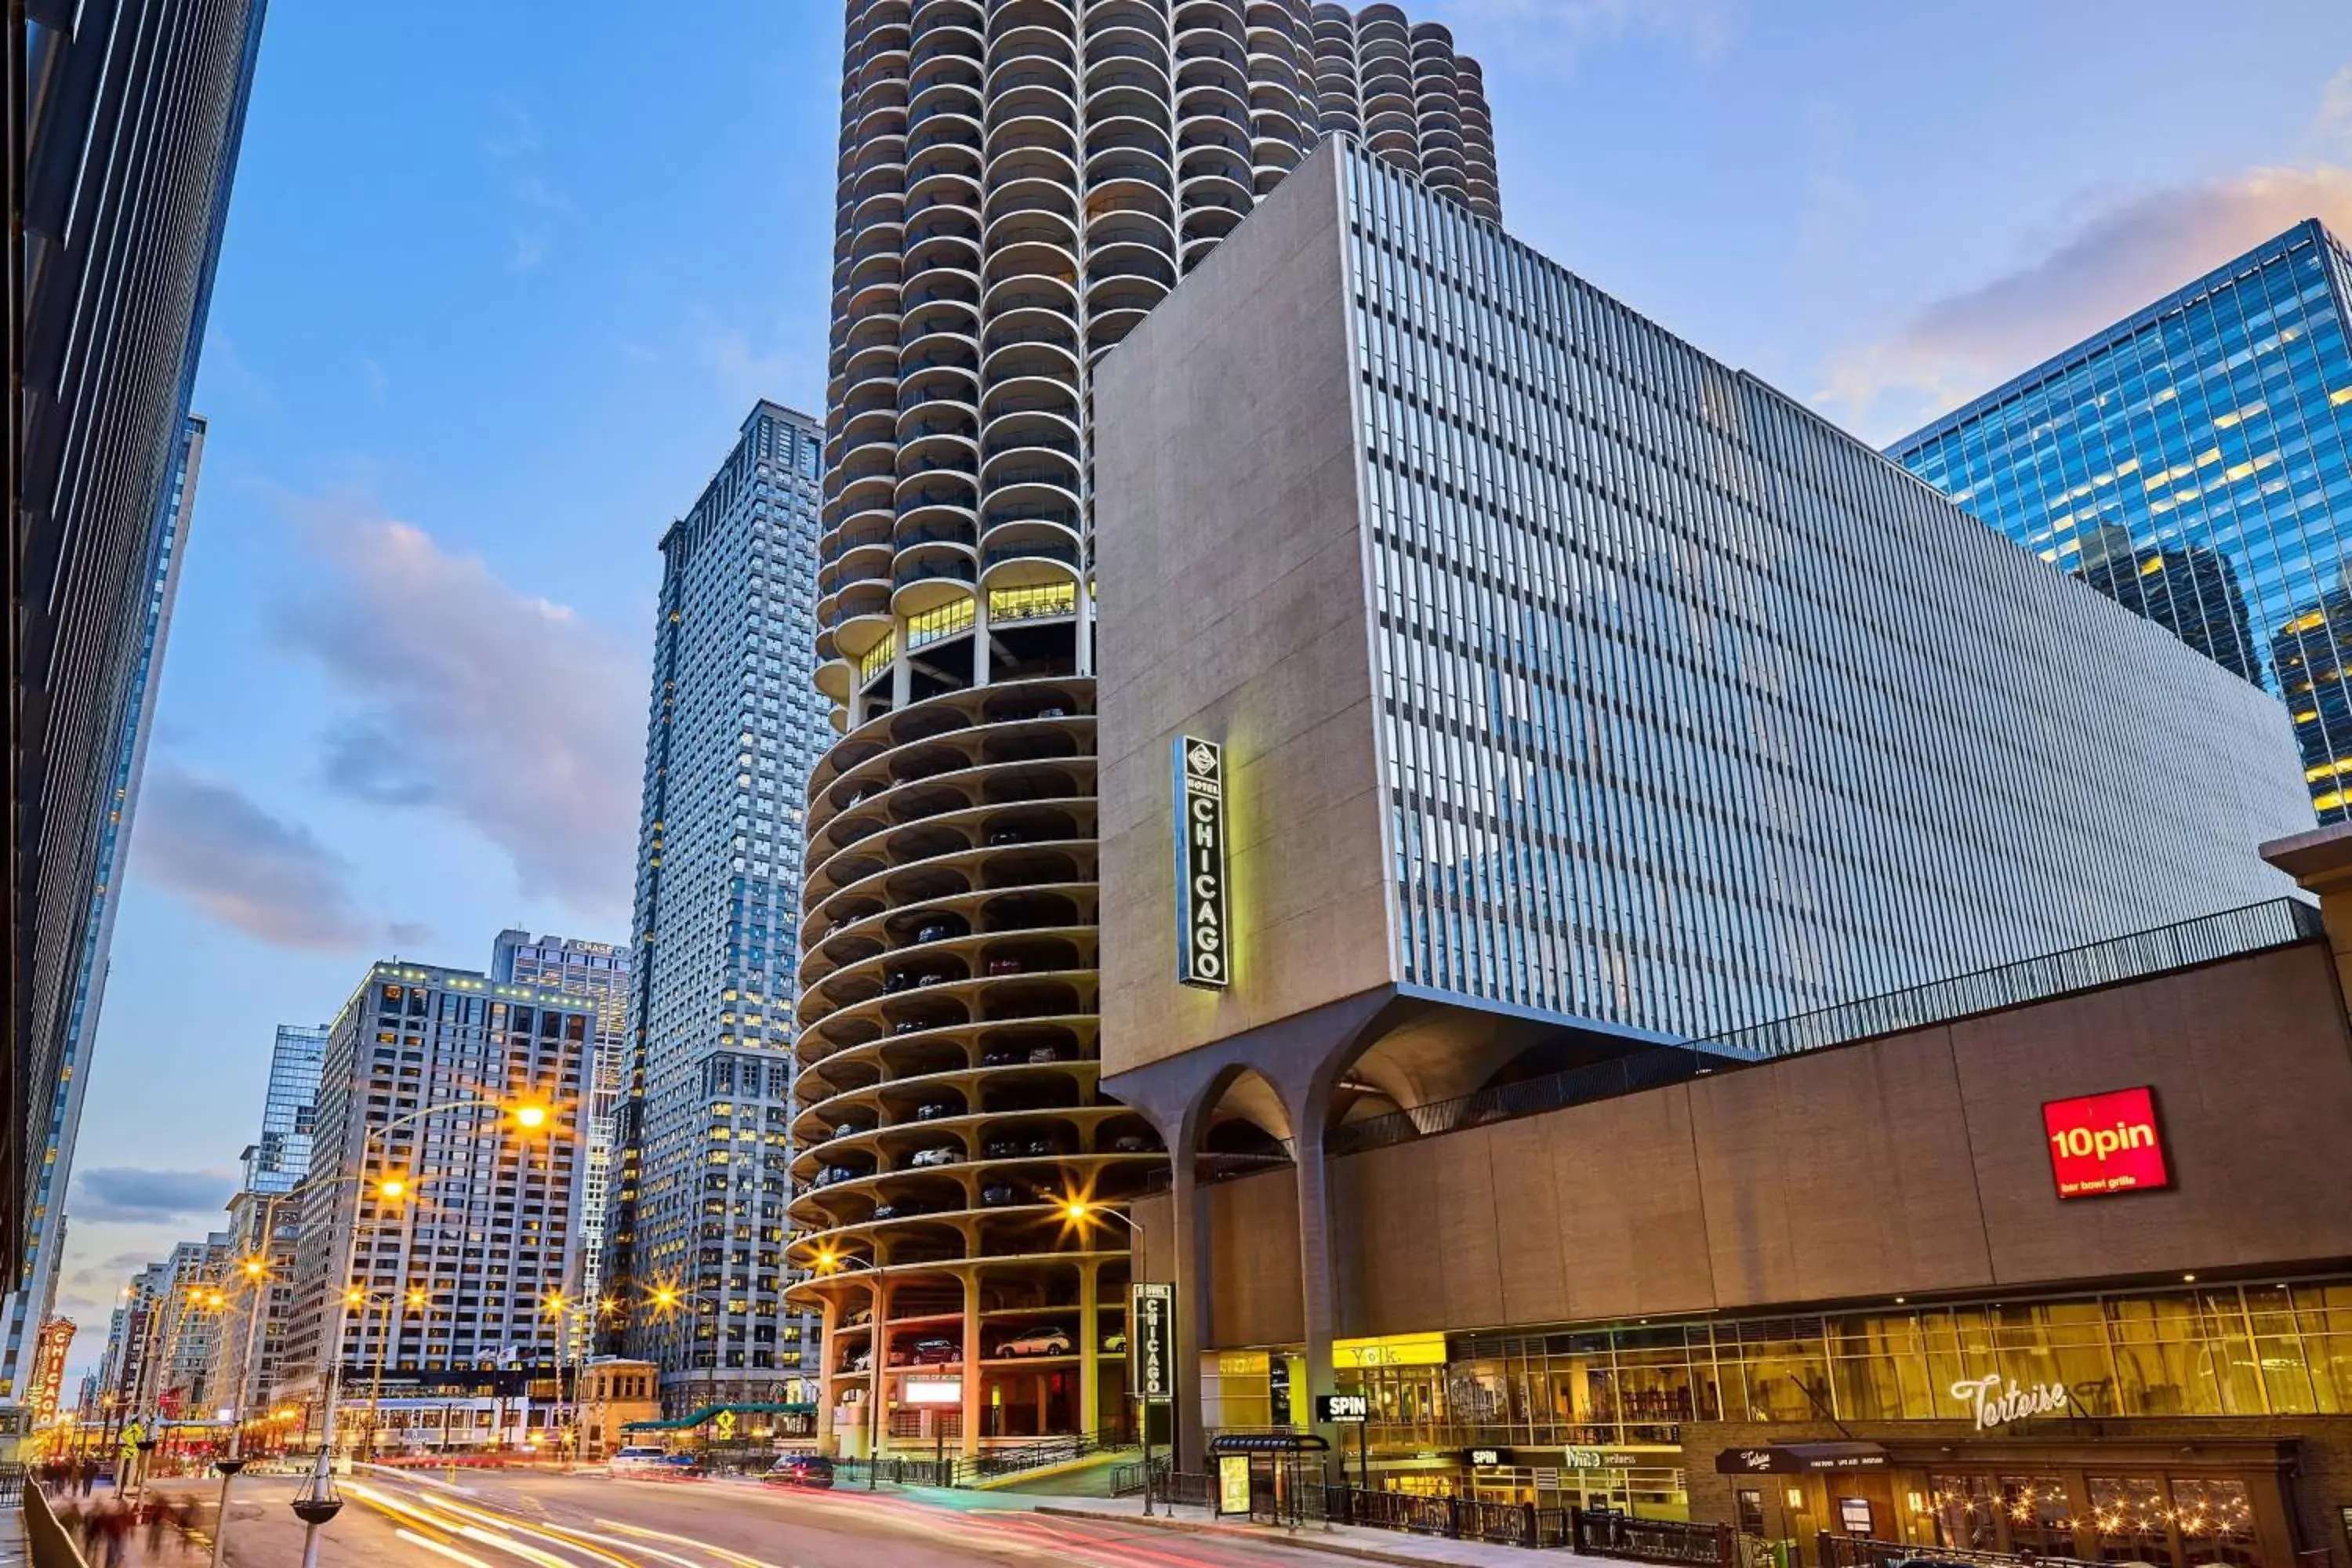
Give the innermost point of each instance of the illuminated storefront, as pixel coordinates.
(2137, 1425)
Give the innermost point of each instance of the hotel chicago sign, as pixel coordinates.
(1204, 939)
(2105, 1143)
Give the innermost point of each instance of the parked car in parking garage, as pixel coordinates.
(943, 1154)
(999, 1195)
(1036, 1342)
(932, 1110)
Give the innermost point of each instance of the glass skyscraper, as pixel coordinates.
(27, 1306)
(2194, 462)
(289, 1115)
(735, 722)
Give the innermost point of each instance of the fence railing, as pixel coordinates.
(1858, 1552)
(12, 1484)
(1598, 1533)
(1456, 1519)
(2280, 923)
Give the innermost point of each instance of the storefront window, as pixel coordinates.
(2038, 1514)
(2128, 1512)
(1964, 1513)
(2216, 1520)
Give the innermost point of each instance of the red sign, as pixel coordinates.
(2103, 1143)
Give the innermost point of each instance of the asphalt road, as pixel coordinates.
(502, 1519)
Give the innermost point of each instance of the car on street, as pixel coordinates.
(802, 1470)
(1036, 1342)
(636, 1460)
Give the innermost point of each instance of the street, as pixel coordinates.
(574, 1521)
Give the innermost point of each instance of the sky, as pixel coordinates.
(503, 278)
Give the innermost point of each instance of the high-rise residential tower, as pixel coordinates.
(699, 1210)
(445, 1283)
(133, 113)
(2207, 442)
(601, 970)
(26, 1306)
(1019, 186)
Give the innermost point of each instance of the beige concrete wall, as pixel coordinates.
(1231, 571)
(1910, 1164)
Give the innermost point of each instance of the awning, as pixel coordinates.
(1799, 1458)
(1268, 1443)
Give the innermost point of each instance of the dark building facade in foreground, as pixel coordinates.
(131, 119)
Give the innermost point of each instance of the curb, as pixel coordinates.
(1238, 1532)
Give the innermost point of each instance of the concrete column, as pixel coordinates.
(972, 1350)
(1089, 1347)
(830, 1319)
(877, 1346)
(980, 649)
(1191, 1311)
(1315, 1263)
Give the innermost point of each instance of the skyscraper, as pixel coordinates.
(706, 1110)
(289, 1113)
(37, 1280)
(447, 1281)
(1019, 186)
(2214, 430)
(135, 112)
(599, 971)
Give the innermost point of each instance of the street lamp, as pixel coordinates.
(317, 1501)
(568, 1314)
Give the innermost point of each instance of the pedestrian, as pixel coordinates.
(154, 1512)
(185, 1517)
(88, 1476)
(114, 1531)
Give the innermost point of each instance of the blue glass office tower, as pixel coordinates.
(2194, 463)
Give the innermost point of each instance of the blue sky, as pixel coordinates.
(502, 278)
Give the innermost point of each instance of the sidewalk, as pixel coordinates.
(1356, 1542)
(12, 1538)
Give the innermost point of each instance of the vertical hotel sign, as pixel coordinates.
(1204, 937)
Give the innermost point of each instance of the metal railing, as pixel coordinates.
(1454, 1518)
(2231, 933)
(1858, 1552)
(1596, 1532)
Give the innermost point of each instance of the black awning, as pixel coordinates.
(1269, 1443)
(1799, 1458)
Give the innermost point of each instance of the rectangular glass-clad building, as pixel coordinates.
(2194, 463)
(1697, 713)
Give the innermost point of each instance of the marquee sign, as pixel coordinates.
(1343, 1409)
(2103, 1143)
(1204, 939)
(1152, 1310)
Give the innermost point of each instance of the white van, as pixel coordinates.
(636, 1460)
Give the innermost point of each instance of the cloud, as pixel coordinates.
(203, 840)
(2121, 255)
(2331, 128)
(126, 1194)
(505, 710)
(1554, 34)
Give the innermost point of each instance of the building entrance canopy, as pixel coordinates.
(1799, 1458)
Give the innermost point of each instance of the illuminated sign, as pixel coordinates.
(1203, 944)
(1482, 1459)
(1392, 1350)
(1152, 1310)
(1233, 1483)
(1994, 1405)
(935, 1389)
(1343, 1409)
(2103, 1143)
